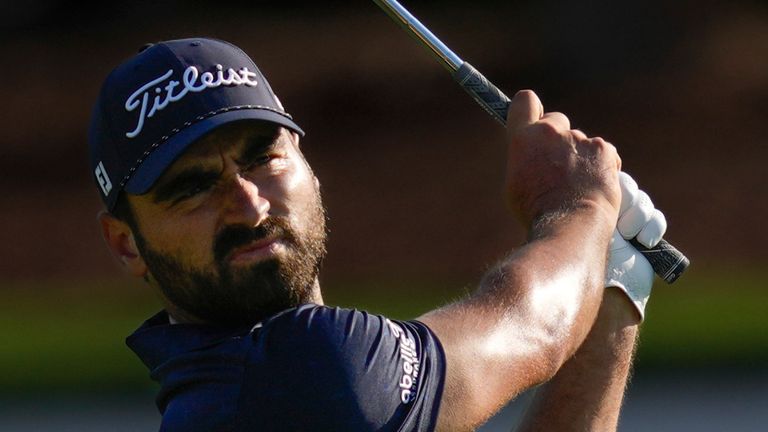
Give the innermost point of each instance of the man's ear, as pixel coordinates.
(120, 240)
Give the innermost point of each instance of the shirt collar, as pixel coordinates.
(157, 340)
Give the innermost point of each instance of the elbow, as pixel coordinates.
(550, 344)
(554, 328)
(543, 359)
(555, 357)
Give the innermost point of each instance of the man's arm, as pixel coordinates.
(586, 393)
(533, 310)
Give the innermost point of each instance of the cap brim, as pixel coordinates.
(150, 170)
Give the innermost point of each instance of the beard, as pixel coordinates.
(230, 296)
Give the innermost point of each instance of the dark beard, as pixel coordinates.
(244, 296)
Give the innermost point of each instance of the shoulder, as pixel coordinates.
(324, 328)
(349, 368)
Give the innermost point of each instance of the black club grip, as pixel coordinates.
(668, 262)
(483, 91)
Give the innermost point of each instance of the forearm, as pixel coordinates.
(528, 316)
(586, 393)
(555, 282)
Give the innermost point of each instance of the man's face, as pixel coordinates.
(234, 230)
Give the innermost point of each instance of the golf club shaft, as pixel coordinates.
(668, 262)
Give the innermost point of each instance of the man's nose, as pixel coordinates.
(244, 204)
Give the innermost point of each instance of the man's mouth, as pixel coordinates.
(257, 250)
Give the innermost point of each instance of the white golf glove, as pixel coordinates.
(627, 268)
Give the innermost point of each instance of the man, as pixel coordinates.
(209, 198)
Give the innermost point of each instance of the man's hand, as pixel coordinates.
(627, 268)
(552, 168)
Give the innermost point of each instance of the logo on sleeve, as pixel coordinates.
(410, 363)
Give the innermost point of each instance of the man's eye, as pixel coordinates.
(193, 191)
(260, 161)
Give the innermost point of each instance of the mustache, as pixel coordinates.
(233, 237)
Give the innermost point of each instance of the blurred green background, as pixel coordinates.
(63, 338)
(411, 169)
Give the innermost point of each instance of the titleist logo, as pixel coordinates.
(191, 81)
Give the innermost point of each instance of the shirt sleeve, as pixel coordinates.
(330, 369)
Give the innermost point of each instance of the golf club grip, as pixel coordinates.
(483, 91)
(666, 260)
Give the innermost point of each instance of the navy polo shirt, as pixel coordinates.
(309, 368)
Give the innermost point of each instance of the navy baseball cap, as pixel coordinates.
(154, 105)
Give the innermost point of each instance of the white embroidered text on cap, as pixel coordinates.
(190, 83)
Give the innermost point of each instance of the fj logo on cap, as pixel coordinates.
(103, 179)
(164, 95)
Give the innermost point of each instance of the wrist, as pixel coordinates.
(604, 207)
(600, 216)
(618, 309)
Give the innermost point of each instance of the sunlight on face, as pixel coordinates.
(234, 231)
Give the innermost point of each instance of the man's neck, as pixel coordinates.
(178, 316)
